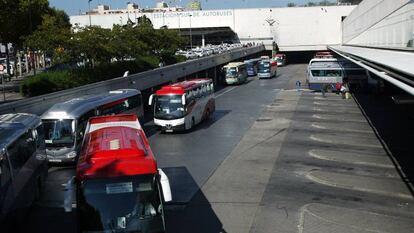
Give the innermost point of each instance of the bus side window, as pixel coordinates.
(40, 137)
(134, 101)
(5, 173)
(19, 152)
(80, 128)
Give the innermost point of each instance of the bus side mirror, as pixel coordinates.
(165, 185)
(183, 99)
(150, 99)
(68, 195)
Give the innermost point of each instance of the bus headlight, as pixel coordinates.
(71, 155)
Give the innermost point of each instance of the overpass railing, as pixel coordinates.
(141, 81)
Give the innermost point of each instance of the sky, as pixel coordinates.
(73, 7)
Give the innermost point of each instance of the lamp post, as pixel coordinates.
(89, 12)
(191, 35)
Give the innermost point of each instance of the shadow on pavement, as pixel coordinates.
(190, 210)
(394, 124)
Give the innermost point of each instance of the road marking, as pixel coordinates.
(225, 92)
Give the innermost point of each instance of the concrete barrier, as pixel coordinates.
(141, 81)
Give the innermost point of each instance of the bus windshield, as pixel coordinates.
(326, 73)
(59, 133)
(122, 204)
(169, 107)
(231, 72)
(264, 67)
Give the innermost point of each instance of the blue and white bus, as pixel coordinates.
(320, 73)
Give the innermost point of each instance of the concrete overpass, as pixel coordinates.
(292, 28)
(378, 35)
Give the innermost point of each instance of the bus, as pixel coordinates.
(23, 167)
(321, 73)
(324, 54)
(182, 105)
(251, 66)
(267, 69)
(280, 59)
(65, 122)
(118, 186)
(236, 73)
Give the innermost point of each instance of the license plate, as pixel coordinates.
(55, 160)
(168, 130)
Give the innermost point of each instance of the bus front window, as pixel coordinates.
(59, 133)
(264, 67)
(231, 72)
(169, 107)
(123, 204)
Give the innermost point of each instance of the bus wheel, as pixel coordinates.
(208, 114)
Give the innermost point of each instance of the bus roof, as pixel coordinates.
(115, 146)
(181, 87)
(234, 64)
(325, 65)
(12, 126)
(74, 108)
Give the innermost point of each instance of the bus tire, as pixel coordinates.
(208, 115)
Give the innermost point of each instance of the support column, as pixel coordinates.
(215, 76)
(19, 61)
(27, 63)
(203, 41)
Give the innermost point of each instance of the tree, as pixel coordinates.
(92, 44)
(52, 36)
(144, 21)
(19, 18)
(353, 2)
(291, 4)
(326, 3)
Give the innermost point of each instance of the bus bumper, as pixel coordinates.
(171, 125)
(230, 81)
(251, 73)
(264, 75)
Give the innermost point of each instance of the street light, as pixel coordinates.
(191, 35)
(89, 12)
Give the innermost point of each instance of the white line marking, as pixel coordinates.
(225, 92)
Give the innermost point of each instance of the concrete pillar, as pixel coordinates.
(215, 76)
(43, 60)
(27, 62)
(203, 41)
(19, 61)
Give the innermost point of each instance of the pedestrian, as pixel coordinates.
(338, 87)
(298, 85)
(343, 91)
(323, 90)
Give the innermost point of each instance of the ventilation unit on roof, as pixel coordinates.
(114, 144)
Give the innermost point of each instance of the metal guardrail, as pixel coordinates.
(141, 81)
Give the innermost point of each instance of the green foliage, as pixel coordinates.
(19, 18)
(52, 81)
(291, 4)
(52, 35)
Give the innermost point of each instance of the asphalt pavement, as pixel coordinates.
(271, 159)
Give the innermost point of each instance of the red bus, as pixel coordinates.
(323, 54)
(183, 105)
(119, 187)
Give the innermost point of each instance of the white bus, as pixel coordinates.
(65, 122)
(183, 105)
(324, 73)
